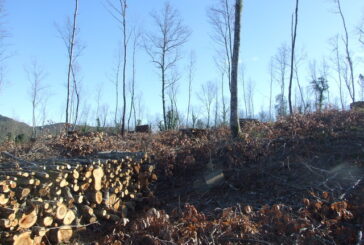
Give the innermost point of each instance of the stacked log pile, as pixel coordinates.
(49, 201)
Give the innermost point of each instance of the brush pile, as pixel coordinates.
(51, 200)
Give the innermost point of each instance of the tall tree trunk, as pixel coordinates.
(132, 103)
(294, 36)
(303, 103)
(164, 99)
(190, 79)
(271, 91)
(223, 100)
(117, 91)
(70, 61)
(234, 120)
(77, 92)
(33, 112)
(347, 50)
(244, 92)
(125, 45)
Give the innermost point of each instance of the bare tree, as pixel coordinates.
(104, 112)
(245, 97)
(118, 11)
(99, 92)
(234, 117)
(163, 46)
(136, 37)
(191, 71)
(271, 71)
(69, 37)
(297, 62)
(115, 81)
(250, 98)
(76, 97)
(221, 18)
(223, 73)
(173, 119)
(139, 108)
(347, 48)
(336, 60)
(294, 37)
(281, 66)
(207, 97)
(36, 76)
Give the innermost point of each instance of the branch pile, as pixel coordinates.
(48, 201)
(319, 220)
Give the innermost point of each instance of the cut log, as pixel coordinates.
(56, 196)
(23, 239)
(61, 235)
(98, 173)
(61, 211)
(47, 221)
(28, 220)
(69, 217)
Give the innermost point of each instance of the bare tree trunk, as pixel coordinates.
(125, 46)
(216, 108)
(244, 92)
(336, 60)
(164, 98)
(70, 61)
(77, 92)
(271, 91)
(132, 103)
(234, 120)
(190, 80)
(117, 90)
(294, 36)
(35, 76)
(224, 119)
(303, 103)
(347, 50)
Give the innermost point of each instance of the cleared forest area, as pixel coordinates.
(298, 180)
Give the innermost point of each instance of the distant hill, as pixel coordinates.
(11, 128)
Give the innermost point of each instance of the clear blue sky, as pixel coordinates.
(266, 25)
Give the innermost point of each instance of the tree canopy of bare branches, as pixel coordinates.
(221, 18)
(74, 48)
(118, 10)
(346, 41)
(280, 66)
(207, 97)
(36, 75)
(163, 46)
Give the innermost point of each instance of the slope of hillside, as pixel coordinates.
(10, 128)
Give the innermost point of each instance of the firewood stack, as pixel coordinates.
(49, 201)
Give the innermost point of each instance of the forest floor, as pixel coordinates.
(295, 181)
